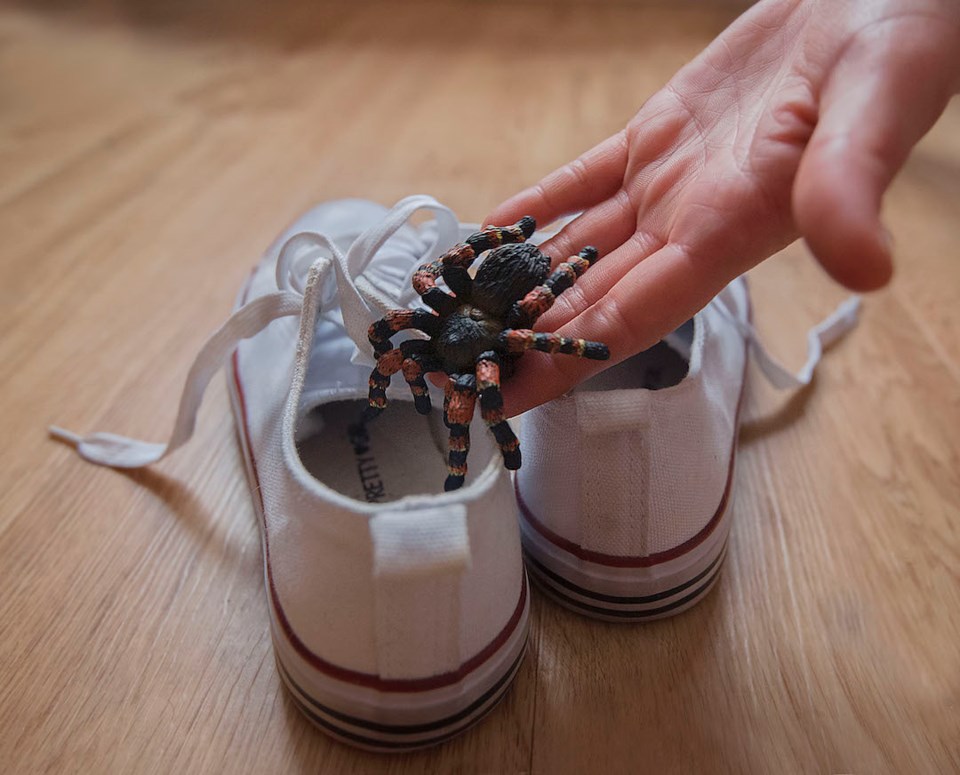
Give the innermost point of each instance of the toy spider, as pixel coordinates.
(480, 329)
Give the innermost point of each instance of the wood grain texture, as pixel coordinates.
(148, 153)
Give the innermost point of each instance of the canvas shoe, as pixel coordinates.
(625, 489)
(398, 612)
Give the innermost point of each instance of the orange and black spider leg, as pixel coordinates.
(388, 364)
(463, 398)
(401, 320)
(453, 264)
(413, 374)
(459, 281)
(491, 408)
(517, 340)
(447, 393)
(425, 284)
(495, 236)
(526, 311)
(417, 361)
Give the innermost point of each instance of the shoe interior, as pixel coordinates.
(663, 365)
(399, 453)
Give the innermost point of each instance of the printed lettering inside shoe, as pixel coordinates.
(381, 461)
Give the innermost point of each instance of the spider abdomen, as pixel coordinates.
(464, 335)
(506, 275)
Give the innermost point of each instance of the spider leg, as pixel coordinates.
(491, 408)
(401, 320)
(453, 264)
(443, 302)
(526, 311)
(415, 365)
(388, 364)
(459, 281)
(463, 398)
(517, 340)
(447, 394)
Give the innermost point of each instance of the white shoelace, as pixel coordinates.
(307, 258)
(108, 449)
(819, 339)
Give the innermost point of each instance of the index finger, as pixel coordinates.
(591, 178)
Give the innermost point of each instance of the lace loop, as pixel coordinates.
(305, 259)
(108, 449)
(364, 301)
(296, 257)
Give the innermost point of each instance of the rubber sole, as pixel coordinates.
(616, 591)
(377, 736)
(612, 608)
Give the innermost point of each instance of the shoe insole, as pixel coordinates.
(399, 453)
(659, 367)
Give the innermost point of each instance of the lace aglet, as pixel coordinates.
(62, 434)
(850, 308)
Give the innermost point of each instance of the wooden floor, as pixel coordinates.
(149, 151)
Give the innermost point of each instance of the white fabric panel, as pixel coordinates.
(419, 557)
(645, 470)
(614, 429)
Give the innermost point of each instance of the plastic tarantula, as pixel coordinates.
(477, 334)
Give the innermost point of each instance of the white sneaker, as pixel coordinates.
(398, 613)
(626, 483)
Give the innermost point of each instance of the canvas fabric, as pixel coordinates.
(646, 469)
(324, 541)
(406, 589)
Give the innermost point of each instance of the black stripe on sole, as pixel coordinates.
(490, 698)
(602, 597)
(619, 613)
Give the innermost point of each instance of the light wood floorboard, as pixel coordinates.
(148, 153)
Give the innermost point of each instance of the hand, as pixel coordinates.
(791, 123)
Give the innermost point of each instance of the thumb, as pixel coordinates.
(883, 95)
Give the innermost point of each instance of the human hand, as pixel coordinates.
(791, 123)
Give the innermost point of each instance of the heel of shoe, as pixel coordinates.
(398, 716)
(366, 711)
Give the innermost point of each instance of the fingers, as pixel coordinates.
(606, 226)
(610, 227)
(880, 100)
(602, 276)
(651, 300)
(592, 178)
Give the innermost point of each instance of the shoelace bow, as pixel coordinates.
(306, 259)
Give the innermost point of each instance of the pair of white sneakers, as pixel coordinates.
(399, 612)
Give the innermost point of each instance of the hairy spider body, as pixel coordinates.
(476, 333)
